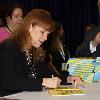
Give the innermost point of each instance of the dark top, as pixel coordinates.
(14, 71)
(57, 60)
(84, 51)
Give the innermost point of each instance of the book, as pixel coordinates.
(64, 91)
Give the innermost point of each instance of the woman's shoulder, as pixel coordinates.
(3, 30)
(8, 46)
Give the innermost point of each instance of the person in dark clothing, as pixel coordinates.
(22, 59)
(91, 45)
(57, 51)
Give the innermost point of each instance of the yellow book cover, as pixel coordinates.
(64, 91)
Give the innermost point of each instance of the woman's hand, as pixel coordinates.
(75, 80)
(53, 82)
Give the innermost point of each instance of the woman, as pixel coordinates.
(57, 55)
(11, 16)
(22, 66)
(57, 50)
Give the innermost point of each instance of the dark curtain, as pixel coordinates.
(74, 15)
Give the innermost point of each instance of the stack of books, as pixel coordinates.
(82, 67)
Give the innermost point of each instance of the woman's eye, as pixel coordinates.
(16, 16)
(42, 32)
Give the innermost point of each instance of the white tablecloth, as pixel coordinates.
(92, 92)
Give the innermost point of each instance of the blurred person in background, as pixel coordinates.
(90, 47)
(11, 17)
(57, 52)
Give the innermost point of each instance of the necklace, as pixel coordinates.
(28, 57)
(31, 67)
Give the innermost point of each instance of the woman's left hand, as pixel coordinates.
(75, 80)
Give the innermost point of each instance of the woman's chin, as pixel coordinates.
(37, 46)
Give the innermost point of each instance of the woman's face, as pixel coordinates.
(17, 17)
(38, 35)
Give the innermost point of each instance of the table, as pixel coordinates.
(92, 92)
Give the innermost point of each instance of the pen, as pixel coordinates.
(75, 84)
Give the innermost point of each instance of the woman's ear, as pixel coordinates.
(30, 28)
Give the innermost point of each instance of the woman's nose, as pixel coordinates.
(45, 36)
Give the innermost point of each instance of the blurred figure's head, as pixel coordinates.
(12, 13)
(58, 31)
(57, 34)
(89, 27)
(94, 35)
(55, 39)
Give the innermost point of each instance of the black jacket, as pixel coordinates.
(14, 71)
(57, 58)
(84, 50)
(57, 61)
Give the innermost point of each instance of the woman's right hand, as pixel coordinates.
(53, 82)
